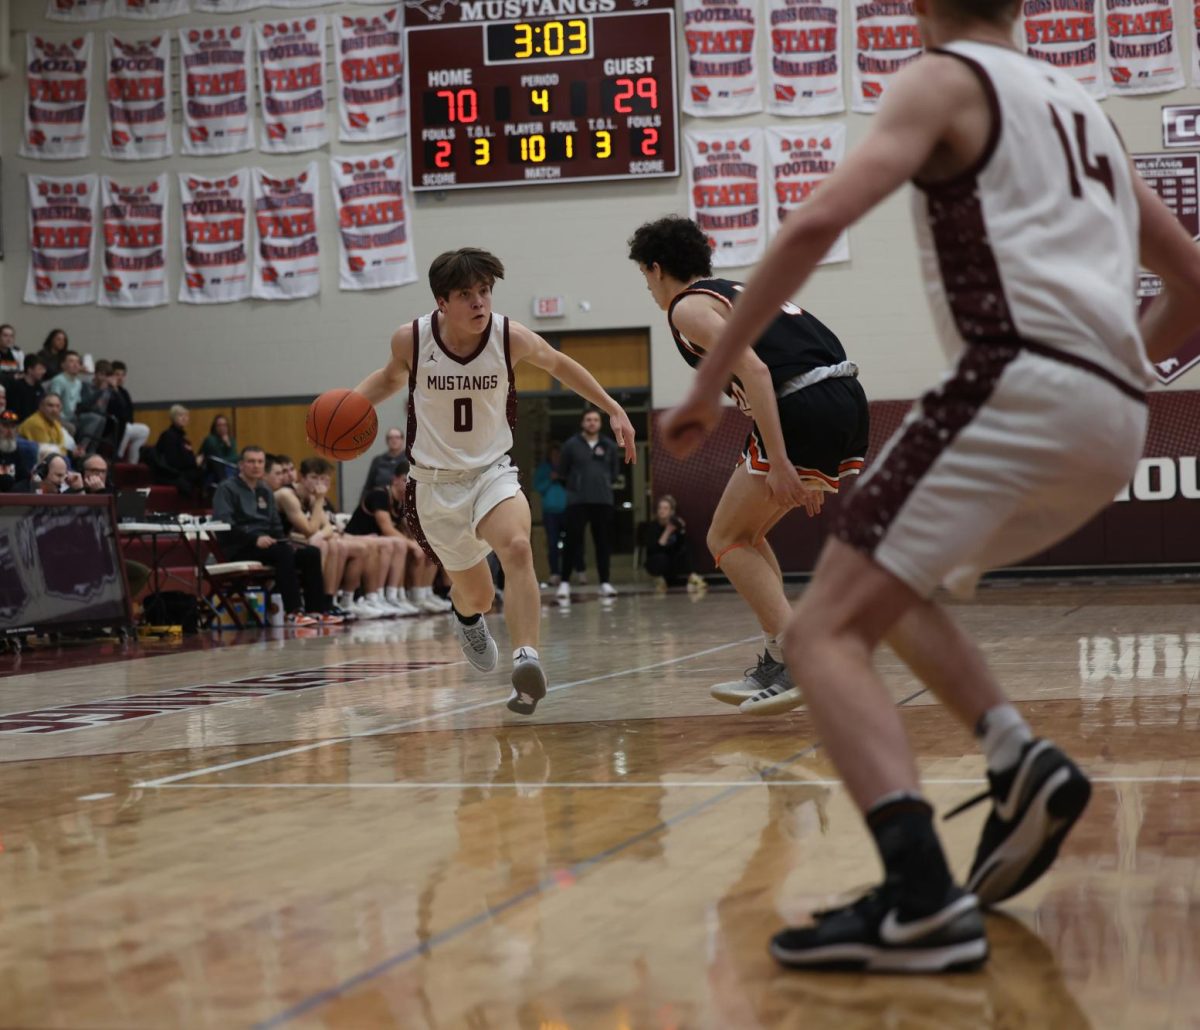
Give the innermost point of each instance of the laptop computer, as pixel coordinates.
(131, 505)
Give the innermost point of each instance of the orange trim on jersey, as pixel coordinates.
(757, 462)
(732, 547)
(708, 293)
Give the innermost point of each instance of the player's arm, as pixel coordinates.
(1168, 251)
(294, 519)
(526, 345)
(393, 377)
(385, 524)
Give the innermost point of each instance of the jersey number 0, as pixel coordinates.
(464, 418)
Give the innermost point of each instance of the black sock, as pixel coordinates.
(466, 620)
(902, 825)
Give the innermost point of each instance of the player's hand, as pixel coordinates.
(74, 482)
(623, 431)
(684, 428)
(263, 542)
(813, 501)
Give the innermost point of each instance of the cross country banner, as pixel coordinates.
(226, 6)
(147, 10)
(216, 262)
(1066, 34)
(374, 208)
(886, 39)
(291, 80)
(215, 80)
(287, 262)
(1143, 47)
(134, 248)
(725, 174)
(56, 97)
(370, 71)
(806, 57)
(62, 216)
(139, 92)
(721, 74)
(800, 159)
(76, 10)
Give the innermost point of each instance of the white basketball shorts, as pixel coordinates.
(449, 508)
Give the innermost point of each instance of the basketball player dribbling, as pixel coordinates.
(1030, 219)
(807, 406)
(464, 500)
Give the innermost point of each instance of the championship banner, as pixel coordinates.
(806, 61)
(62, 214)
(226, 6)
(1143, 47)
(134, 220)
(725, 168)
(721, 76)
(287, 264)
(800, 160)
(291, 79)
(370, 71)
(216, 90)
(1066, 34)
(76, 10)
(56, 97)
(147, 10)
(886, 38)
(139, 107)
(375, 245)
(216, 262)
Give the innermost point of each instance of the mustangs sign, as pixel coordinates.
(62, 217)
(134, 219)
(375, 246)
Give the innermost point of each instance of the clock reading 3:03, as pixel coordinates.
(543, 100)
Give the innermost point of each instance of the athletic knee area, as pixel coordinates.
(722, 542)
(471, 602)
(516, 552)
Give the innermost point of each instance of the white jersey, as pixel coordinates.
(461, 411)
(1037, 245)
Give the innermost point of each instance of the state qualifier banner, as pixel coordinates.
(134, 221)
(226, 6)
(800, 160)
(291, 79)
(287, 265)
(62, 217)
(1143, 47)
(76, 10)
(138, 88)
(148, 10)
(886, 39)
(57, 99)
(375, 245)
(370, 71)
(725, 169)
(721, 74)
(216, 89)
(216, 261)
(1066, 34)
(806, 57)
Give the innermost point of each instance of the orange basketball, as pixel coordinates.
(341, 424)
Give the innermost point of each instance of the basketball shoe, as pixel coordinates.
(757, 677)
(476, 642)
(528, 681)
(1034, 806)
(778, 696)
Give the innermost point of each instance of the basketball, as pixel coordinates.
(341, 424)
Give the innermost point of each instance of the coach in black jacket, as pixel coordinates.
(589, 465)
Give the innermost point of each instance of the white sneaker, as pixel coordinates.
(563, 593)
(364, 609)
(431, 606)
(476, 643)
(607, 590)
(528, 682)
(404, 607)
(443, 603)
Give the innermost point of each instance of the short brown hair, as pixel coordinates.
(463, 268)
(315, 466)
(103, 368)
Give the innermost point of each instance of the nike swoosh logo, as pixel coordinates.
(1007, 809)
(892, 931)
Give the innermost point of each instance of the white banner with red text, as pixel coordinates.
(57, 98)
(370, 71)
(1142, 47)
(806, 57)
(216, 258)
(291, 84)
(374, 209)
(799, 160)
(134, 243)
(725, 176)
(216, 79)
(139, 98)
(886, 40)
(62, 217)
(287, 260)
(76, 10)
(1066, 34)
(721, 70)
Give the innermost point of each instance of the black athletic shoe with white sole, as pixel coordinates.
(529, 684)
(879, 933)
(1034, 806)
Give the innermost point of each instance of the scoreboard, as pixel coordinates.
(583, 95)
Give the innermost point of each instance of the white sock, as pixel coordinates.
(1004, 735)
(345, 598)
(528, 652)
(420, 593)
(395, 595)
(373, 598)
(773, 647)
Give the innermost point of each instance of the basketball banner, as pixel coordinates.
(147, 10)
(76, 10)
(62, 215)
(1143, 47)
(287, 262)
(291, 81)
(375, 244)
(1066, 34)
(134, 220)
(806, 57)
(886, 39)
(216, 261)
(56, 97)
(800, 160)
(139, 105)
(370, 71)
(216, 89)
(725, 169)
(721, 74)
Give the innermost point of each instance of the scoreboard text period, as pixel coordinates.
(497, 99)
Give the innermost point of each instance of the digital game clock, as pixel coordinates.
(584, 95)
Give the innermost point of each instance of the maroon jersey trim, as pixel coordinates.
(510, 406)
(483, 340)
(412, 390)
(970, 174)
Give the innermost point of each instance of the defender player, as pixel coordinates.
(808, 409)
(464, 500)
(1030, 219)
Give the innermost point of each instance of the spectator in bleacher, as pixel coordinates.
(54, 476)
(18, 458)
(93, 423)
(96, 481)
(45, 426)
(133, 434)
(287, 469)
(219, 451)
(273, 473)
(383, 466)
(12, 358)
(548, 483)
(25, 392)
(3, 398)
(177, 460)
(53, 350)
(257, 534)
(68, 384)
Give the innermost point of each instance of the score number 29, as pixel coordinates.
(645, 88)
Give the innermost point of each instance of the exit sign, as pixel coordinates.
(549, 307)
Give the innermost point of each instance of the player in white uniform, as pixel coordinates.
(1031, 219)
(464, 500)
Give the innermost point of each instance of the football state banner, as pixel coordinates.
(134, 248)
(216, 260)
(375, 244)
(287, 262)
(216, 89)
(291, 81)
(725, 175)
(721, 69)
(800, 159)
(139, 98)
(62, 218)
(57, 98)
